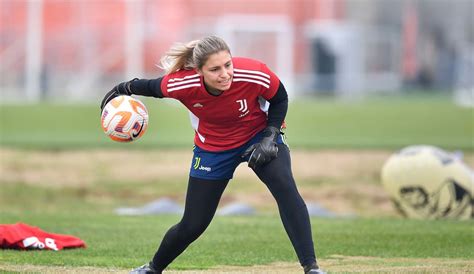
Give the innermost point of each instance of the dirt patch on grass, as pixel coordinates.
(56, 269)
(69, 168)
(346, 182)
(344, 264)
(347, 264)
(83, 168)
(333, 264)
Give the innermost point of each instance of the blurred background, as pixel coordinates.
(58, 50)
(366, 78)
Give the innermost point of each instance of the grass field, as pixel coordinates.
(67, 177)
(121, 242)
(376, 123)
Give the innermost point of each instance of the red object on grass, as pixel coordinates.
(23, 236)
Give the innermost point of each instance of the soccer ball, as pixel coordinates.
(426, 182)
(124, 119)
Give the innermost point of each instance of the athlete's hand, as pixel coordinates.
(120, 89)
(264, 151)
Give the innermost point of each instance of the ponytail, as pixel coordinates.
(179, 56)
(191, 55)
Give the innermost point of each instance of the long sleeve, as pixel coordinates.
(278, 107)
(146, 87)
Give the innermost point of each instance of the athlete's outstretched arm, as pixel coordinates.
(143, 87)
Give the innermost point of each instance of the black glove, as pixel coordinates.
(120, 89)
(264, 151)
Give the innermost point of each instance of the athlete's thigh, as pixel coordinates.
(277, 171)
(202, 197)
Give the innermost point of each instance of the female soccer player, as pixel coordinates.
(237, 107)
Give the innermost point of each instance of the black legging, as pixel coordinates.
(203, 197)
(278, 177)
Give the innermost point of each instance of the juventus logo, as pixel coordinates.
(243, 105)
(197, 162)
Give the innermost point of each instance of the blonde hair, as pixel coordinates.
(193, 54)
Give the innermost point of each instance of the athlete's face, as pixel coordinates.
(218, 72)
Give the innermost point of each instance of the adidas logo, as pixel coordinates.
(198, 105)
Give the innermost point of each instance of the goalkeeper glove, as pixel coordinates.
(264, 151)
(120, 89)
